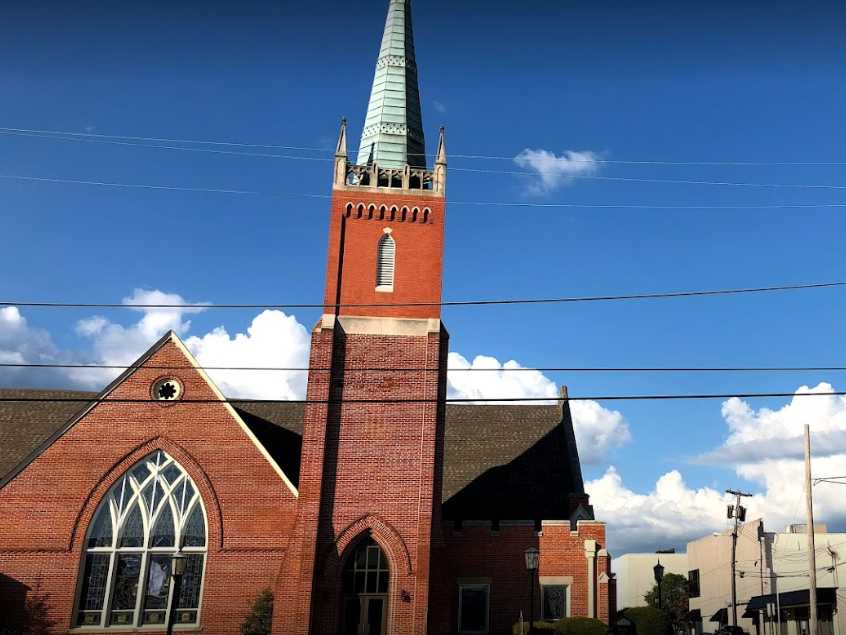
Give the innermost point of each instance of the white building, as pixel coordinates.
(772, 573)
(636, 578)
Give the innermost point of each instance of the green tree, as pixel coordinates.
(674, 599)
(261, 615)
(648, 621)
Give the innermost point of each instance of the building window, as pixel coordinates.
(554, 601)
(151, 512)
(693, 583)
(473, 608)
(385, 262)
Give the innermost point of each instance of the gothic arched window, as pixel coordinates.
(153, 511)
(386, 263)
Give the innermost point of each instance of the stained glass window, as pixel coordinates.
(100, 534)
(125, 578)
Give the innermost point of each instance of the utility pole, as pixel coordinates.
(812, 552)
(738, 513)
(761, 539)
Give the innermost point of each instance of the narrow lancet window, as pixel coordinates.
(386, 263)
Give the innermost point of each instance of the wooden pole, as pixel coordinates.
(812, 553)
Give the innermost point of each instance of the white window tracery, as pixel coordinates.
(151, 512)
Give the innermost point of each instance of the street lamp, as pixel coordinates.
(532, 557)
(658, 570)
(178, 563)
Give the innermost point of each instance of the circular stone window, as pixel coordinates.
(167, 389)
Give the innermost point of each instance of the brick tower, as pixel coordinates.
(370, 483)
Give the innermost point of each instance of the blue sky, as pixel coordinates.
(664, 81)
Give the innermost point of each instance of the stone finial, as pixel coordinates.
(341, 148)
(341, 156)
(440, 156)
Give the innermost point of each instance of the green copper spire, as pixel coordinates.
(393, 128)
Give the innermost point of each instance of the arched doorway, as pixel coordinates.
(366, 581)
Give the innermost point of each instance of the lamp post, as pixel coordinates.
(658, 570)
(177, 570)
(532, 557)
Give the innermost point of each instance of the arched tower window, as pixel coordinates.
(366, 582)
(386, 263)
(153, 511)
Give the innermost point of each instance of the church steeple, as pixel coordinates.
(393, 129)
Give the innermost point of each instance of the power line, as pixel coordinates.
(631, 179)
(540, 369)
(263, 155)
(51, 134)
(524, 173)
(526, 204)
(449, 303)
(384, 400)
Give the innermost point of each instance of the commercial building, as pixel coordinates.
(771, 580)
(635, 576)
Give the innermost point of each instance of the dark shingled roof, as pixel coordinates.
(502, 462)
(24, 426)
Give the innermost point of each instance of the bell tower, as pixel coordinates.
(371, 467)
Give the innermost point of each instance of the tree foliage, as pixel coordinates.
(674, 598)
(259, 620)
(648, 620)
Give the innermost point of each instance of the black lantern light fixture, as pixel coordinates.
(532, 559)
(658, 570)
(178, 564)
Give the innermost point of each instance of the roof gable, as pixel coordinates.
(133, 386)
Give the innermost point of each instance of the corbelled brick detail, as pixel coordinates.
(353, 242)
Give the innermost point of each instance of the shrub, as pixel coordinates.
(649, 621)
(566, 626)
(581, 626)
(261, 613)
(542, 627)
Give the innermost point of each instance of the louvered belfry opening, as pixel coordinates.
(385, 263)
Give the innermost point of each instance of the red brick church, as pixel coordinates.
(373, 508)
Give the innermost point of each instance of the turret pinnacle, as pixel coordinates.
(393, 128)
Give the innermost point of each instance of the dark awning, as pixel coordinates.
(720, 616)
(825, 595)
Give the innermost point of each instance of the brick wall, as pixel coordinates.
(47, 508)
(367, 469)
(478, 553)
(419, 253)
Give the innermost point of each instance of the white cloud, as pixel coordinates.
(114, 344)
(439, 106)
(598, 430)
(21, 343)
(16, 336)
(669, 515)
(272, 340)
(489, 378)
(764, 447)
(555, 171)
